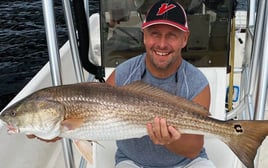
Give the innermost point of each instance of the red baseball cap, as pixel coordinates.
(167, 12)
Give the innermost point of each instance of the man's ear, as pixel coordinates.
(185, 38)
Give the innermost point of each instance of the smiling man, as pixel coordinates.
(165, 34)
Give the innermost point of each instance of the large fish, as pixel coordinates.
(96, 111)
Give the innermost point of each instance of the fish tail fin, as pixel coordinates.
(250, 135)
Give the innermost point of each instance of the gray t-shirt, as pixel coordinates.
(187, 82)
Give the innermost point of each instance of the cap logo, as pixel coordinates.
(165, 7)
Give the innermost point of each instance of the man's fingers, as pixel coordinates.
(165, 135)
(151, 133)
(175, 134)
(157, 127)
(160, 133)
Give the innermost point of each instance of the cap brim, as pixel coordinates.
(166, 22)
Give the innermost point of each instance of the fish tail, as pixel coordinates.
(250, 135)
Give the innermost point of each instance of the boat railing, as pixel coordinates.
(254, 73)
(55, 65)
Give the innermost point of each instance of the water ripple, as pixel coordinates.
(23, 48)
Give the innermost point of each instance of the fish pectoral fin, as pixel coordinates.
(85, 149)
(72, 124)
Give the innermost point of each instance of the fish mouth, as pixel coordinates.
(12, 129)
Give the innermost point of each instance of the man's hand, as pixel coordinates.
(162, 134)
(45, 140)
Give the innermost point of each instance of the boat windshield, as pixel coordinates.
(209, 23)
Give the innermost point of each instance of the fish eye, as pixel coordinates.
(13, 113)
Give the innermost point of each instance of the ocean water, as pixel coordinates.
(23, 48)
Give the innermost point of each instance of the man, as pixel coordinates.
(165, 34)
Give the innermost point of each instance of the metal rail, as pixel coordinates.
(73, 41)
(256, 56)
(55, 67)
(52, 41)
(262, 83)
(75, 52)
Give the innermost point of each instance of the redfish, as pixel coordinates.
(97, 111)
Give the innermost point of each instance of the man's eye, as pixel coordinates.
(154, 34)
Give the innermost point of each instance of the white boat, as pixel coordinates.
(250, 73)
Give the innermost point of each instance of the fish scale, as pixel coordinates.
(96, 111)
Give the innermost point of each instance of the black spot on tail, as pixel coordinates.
(238, 128)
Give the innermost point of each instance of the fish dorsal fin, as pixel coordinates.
(147, 89)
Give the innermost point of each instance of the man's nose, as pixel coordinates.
(162, 42)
